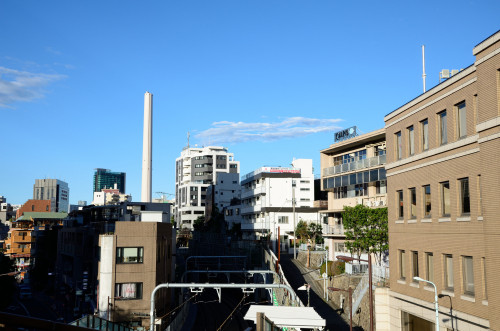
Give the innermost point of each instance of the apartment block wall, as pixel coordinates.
(155, 238)
(36, 206)
(475, 234)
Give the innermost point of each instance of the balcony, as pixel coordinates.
(245, 193)
(337, 229)
(353, 166)
(250, 209)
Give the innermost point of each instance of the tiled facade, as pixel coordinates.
(443, 178)
(131, 303)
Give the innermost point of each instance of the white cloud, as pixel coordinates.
(23, 86)
(232, 132)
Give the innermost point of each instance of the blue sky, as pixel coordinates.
(271, 80)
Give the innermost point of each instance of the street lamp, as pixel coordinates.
(370, 286)
(451, 308)
(350, 303)
(435, 298)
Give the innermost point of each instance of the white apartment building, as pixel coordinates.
(52, 189)
(266, 201)
(196, 169)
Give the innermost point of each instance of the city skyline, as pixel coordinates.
(268, 81)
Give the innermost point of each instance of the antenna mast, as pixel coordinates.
(188, 138)
(423, 65)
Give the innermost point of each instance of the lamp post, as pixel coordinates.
(451, 308)
(350, 303)
(435, 298)
(370, 286)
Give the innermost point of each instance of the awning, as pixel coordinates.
(285, 316)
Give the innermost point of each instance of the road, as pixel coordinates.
(297, 275)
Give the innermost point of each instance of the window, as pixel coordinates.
(425, 134)
(400, 204)
(464, 196)
(411, 141)
(414, 263)
(427, 201)
(402, 274)
(128, 291)
(413, 203)
(445, 199)
(305, 189)
(429, 261)
(468, 275)
(283, 219)
(381, 187)
(399, 147)
(443, 129)
(448, 271)
(462, 120)
(129, 254)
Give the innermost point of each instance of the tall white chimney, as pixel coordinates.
(147, 147)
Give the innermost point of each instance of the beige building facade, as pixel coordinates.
(443, 174)
(133, 261)
(353, 173)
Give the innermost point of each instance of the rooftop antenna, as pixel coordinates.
(188, 138)
(423, 65)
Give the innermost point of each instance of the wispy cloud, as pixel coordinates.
(233, 132)
(52, 50)
(23, 86)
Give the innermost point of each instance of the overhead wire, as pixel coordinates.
(220, 327)
(179, 306)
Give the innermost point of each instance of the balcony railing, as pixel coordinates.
(333, 229)
(253, 191)
(357, 165)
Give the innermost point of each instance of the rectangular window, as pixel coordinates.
(413, 203)
(462, 120)
(283, 219)
(427, 201)
(443, 128)
(381, 187)
(402, 267)
(411, 141)
(468, 275)
(128, 291)
(414, 264)
(399, 146)
(448, 271)
(399, 195)
(425, 134)
(129, 254)
(464, 196)
(445, 199)
(429, 261)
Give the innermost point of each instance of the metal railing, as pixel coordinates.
(357, 165)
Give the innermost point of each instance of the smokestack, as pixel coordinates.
(147, 147)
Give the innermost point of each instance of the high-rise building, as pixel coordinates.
(442, 190)
(196, 169)
(104, 178)
(52, 189)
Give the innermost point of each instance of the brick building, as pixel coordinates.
(443, 179)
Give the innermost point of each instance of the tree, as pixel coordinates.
(378, 233)
(311, 231)
(366, 230)
(199, 222)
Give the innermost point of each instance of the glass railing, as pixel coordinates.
(357, 165)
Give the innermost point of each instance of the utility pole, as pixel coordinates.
(293, 211)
